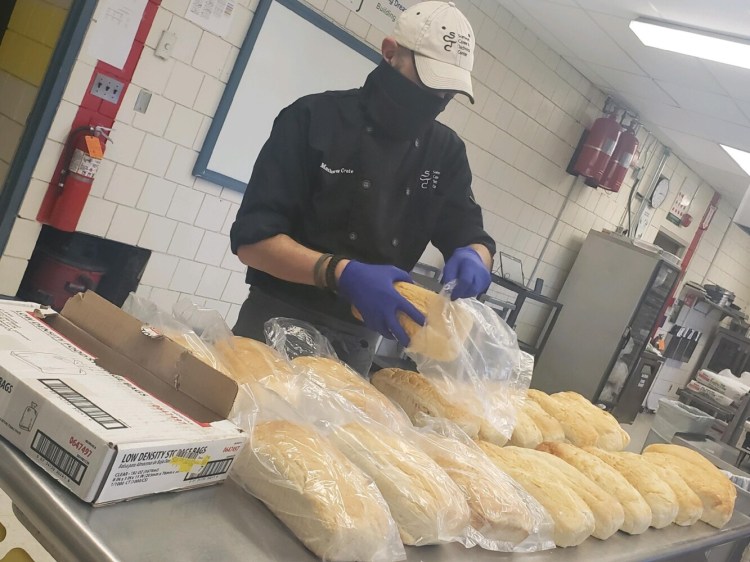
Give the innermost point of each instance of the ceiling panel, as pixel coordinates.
(734, 80)
(642, 86)
(716, 105)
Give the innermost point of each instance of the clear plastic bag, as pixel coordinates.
(326, 501)
(375, 435)
(472, 357)
(163, 323)
(504, 517)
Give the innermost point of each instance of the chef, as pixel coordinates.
(352, 185)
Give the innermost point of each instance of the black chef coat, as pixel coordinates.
(334, 181)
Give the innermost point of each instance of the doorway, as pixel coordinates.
(39, 42)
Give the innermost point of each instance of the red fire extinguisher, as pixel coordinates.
(597, 148)
(85, 148)
(622, 157)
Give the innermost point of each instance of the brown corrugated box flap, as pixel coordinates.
(159, 366)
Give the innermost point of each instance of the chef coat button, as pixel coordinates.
(366, 184)
(369, 130)
(394, 242)
(416, 143)
(408, 191)
(352, 236)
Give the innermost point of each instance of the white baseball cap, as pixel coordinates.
(443, 43)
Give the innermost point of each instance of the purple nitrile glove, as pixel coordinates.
(468, 270)
(370, 289)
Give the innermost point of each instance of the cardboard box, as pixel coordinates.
(108, 411)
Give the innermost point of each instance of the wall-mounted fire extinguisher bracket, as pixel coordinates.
(84, 151)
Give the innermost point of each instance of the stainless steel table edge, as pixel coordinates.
(70, 528)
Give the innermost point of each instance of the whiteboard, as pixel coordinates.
(290, 51)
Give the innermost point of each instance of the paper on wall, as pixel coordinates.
(113, 30)
(212, 15)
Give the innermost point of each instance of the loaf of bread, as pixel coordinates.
(715, 490)
(335, 376)
(417, 395)
(636, 512)
(551, 429)
(500, 508)
(443, 337)
(636, 470)
(249, 361)
(327, 502)
(574, 520)
(612, 437)
(427, 505)
(526, 433)
(608, 513)
(690, 507)
(577, 428)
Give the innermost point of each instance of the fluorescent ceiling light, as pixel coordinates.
(701, 44)
(740, 156)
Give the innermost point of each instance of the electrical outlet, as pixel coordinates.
(107, 88)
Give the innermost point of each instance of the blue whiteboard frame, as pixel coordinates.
(204, 156)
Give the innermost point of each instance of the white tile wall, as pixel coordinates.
(236, 289)
(157, 115)
(188, 37)
(159, 270)
(96, 217)
(185, 241)
(186, 204)
(156, 195)
(11, 273)
(157, 233)
(155, 155)
(213, 213)
(211, 55)
(181, 166)
(127, 225)
(187, 276)
(213, 282)
(183, 126)
(183, 84)
(213, 248)
(22, 239)
(125, 185)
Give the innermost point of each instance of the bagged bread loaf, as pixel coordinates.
(416, 394)
(526, 433)
(445, 331)
(327, 502)
(690, 507)
(577, 428)
(504, 517)
(249, 361)
(427, 505)
(333, 375)
(657, 493)
(550, 428)
(715, 490)
(636, 511)
(612, 437)
(608, 513)
(574, 520)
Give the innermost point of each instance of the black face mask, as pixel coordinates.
(398, 105)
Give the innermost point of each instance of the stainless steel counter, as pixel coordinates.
(222, 523)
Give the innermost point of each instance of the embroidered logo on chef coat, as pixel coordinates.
(429, 179)
(327, 168)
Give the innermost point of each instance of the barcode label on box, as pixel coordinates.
(80, 402)
(61, 459)
(212, 468)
